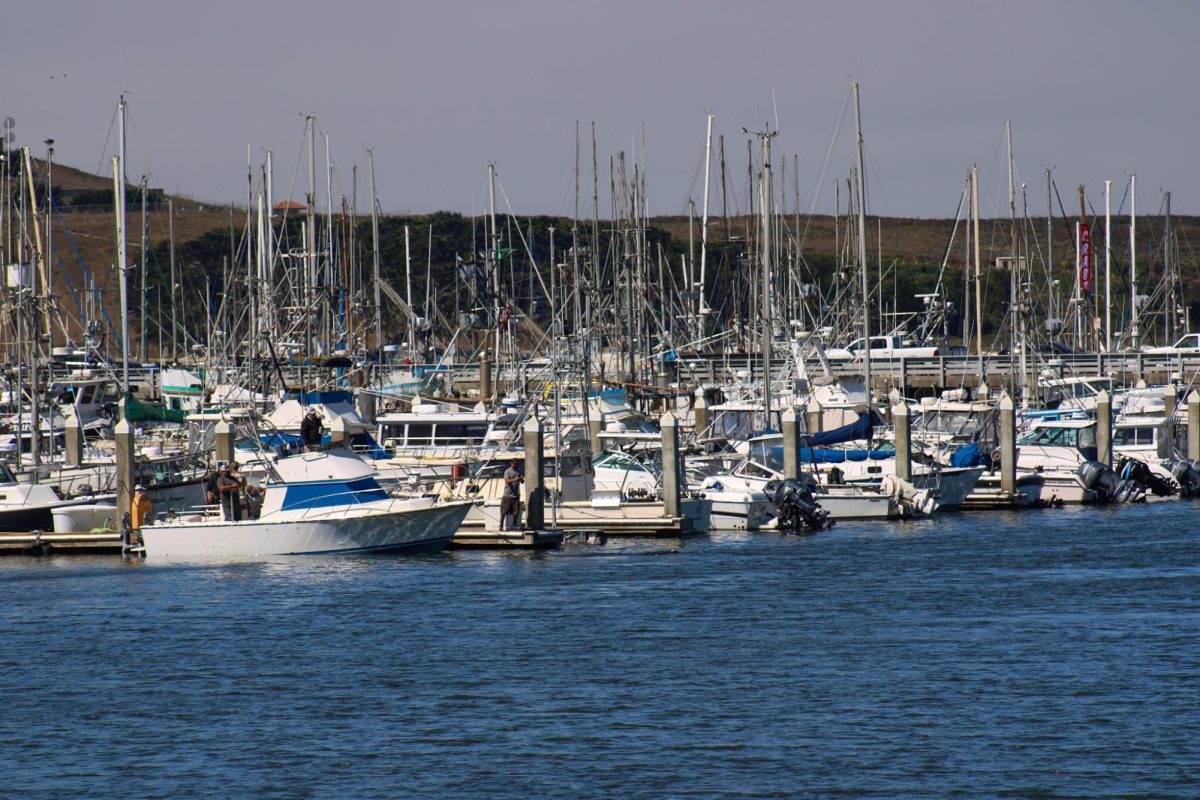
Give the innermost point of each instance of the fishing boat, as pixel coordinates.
(322, 503)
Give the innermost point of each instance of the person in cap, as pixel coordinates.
(510, 503)
(141, 509)
(311, 430)
(230, 490)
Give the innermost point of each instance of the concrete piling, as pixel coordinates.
(700, 410)
(224, 434)
(535, 482)
(672, 498)
(900, 420)
(1193, 425)
(595, 428)
(73, 440)
(1104, 452)
(123, 440)
(1008, 445)
(485, 375)
(791, 443)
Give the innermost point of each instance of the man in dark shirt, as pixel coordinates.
(230, 489)
(510, 503)
(310, 430)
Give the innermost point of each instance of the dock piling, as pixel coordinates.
(700, 409)
(1193, 424)
(900, 420)
(791, 443)
(73, 440)
(126, 479)
(535, 487)
(224, 434)
(670, 464)
(1104, 451)
(1008, 445)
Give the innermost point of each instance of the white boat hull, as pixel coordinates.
(411, 526)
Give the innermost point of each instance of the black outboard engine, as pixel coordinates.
(797, 509)
(1133, 471)
(1100, 479)
(1187, 474)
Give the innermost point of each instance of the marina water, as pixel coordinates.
(1038, 654)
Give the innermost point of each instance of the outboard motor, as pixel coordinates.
(1187, 474)
(797, 509)
(1132, 470)
(1100, 479)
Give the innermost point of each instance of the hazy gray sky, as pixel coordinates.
(438, 89)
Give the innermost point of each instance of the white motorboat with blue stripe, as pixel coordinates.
(327, 502)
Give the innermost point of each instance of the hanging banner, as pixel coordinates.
(1085, 258)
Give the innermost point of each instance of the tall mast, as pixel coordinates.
(764, 247)
(1107, 270)
(122, 257)
(700, 309)
(408, 298)
(142, 316)
(375, 259)
(1133, 309)
(978, 284)
(494, 259)
(50, 236)
(252, 315)
(1018, 303)
(174, 292)
(310, 202)
(1050, 245)
(862, 245)
(266, 277)
(1168, 277)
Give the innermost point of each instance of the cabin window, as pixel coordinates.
(88, 394)
(1132, 437)
(468, 433)
(1055, 437)
(420, 434)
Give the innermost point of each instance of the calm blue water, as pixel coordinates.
(1044, 654)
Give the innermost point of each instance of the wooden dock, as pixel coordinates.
(475, 539)
(37, 543)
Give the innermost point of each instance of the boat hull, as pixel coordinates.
(411, 529)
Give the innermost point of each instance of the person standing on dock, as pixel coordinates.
(510, 503)
(142, 507)
(231, 495)
(311, 430)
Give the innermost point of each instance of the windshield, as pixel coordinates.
(1060, 437)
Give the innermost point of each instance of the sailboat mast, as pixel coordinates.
(122, 256)
(1107, 270)
(494, 259)
(862, 245)
(311, 234)
(700, 309)
(978, 284)
(375, 259)
(1133, 309)
(174, 293)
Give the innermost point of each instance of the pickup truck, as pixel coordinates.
(1187, 344)
(883, 347)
